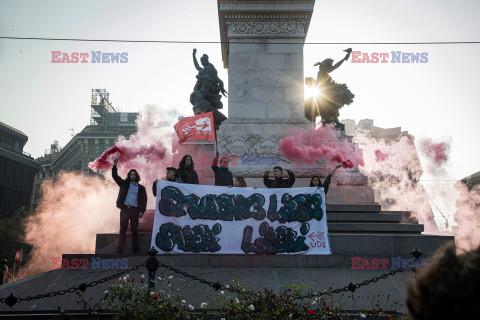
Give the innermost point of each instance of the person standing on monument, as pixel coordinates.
(316, 182)
(223, 176)
(240, 182)
(171, 176)
(278, 181)
(186, 170)
(132, 202)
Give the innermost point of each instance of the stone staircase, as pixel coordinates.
(354, 231)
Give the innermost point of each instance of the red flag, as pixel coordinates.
(200, 127)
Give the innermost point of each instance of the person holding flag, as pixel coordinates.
(223, 176)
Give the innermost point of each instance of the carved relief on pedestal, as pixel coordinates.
(257, 28)
(251, 144)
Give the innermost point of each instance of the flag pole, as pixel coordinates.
(215, 130)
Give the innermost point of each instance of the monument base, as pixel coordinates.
(354, 230)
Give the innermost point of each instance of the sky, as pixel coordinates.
(435, 100)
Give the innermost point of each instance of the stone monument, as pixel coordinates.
(263, 51)
(262, 47)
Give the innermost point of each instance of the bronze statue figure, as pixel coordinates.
(206, 92)
(331, 97)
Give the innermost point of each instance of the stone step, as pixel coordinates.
(372, 213)
(353, 208)
(368, 227)
(363, 217)
(347, 244)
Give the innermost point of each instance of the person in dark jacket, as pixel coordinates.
(278, 181)
(132, 202)
(223, 176)
(186, 170)
(316, 182)
(171, 176)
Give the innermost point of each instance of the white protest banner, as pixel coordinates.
(209, 219)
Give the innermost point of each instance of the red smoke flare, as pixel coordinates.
(127, 154)
(105, 161)
(316, 144)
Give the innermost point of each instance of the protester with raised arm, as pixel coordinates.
(132, 202)
(316, 182)
(278, 181)
(223, 176)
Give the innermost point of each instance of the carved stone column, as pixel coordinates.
(263, 51)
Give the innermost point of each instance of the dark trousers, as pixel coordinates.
(132, 215)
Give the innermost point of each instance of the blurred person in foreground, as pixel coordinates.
(448, 288)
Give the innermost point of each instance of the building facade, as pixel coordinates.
(106, 125)
(17, 171)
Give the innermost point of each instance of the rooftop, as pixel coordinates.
(6, 126)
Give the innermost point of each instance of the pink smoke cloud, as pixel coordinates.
(467, 216)
(149, 150)
(74, 208)
(322, 143)
(436, 154)
(381, 156)
(395, 178)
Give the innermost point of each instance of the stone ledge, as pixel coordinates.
(368, 227)
(363, 217)
(354, 208)
(351, 244)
